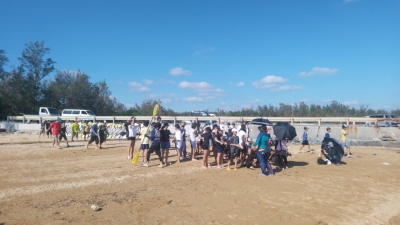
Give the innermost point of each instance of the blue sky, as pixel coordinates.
(219, 54)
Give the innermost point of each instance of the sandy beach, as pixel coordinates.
(44, 185)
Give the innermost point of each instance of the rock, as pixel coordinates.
(95, 208)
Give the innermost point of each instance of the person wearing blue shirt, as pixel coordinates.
(94, 135)
(155, 138)
(305, 141)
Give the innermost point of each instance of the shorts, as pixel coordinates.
(132, 138)
(205, 147)
(234, 152)
(193, 144)
(85, 133)
(220, 150)
(61, 136)
(74, 134)
(305, 142)
(245, 147)
(144, 146)
(165, 145)
(178, 145)
(345, 144)
(55, 137)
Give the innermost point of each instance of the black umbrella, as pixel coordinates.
(261, 121)
(337, 147)
(284, 131)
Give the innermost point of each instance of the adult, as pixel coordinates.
(126, 125)
(144, 140)
(132, 128)
(165, 144)
(243, 142)
(263, 152)
(183, 141)
(42, 128)
(178, 141)
(63, 134)
(193, 136)
(281, 153)
(48, 131)
(94, 135)
(75, 130)
(55, 128)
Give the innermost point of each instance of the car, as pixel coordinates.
(202, 114)
(384, 120)
(77, 112)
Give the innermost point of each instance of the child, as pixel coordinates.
(178, 141)
(94, 136)
(234, 149)
(86, 131)
(155, 137)
(220, 149)
(243, 142)
(207, 137)
(305, 141)
(281, 152)
(75, 130)
(193, 137)
(183, 141)
(102, 134)
(144, 140)
(344, 142)
(327, 135)
(63, 134)
(132, 129)
(165, 144)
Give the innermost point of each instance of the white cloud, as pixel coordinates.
(204, 89)
(268, 82)
(193, 99)
(319, 71)
(148, 82)
(240, 84)
(286, 88)
(138, 87)
(204, 51)
(179, 71)
(170, 95)
(349, 103)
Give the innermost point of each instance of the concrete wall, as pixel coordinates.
(12, 126)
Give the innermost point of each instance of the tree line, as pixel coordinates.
(26, 88)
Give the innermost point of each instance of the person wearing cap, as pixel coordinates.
(155, 137)
(304, 142)
(165, 144)
(263, 152)
(178, 142)
(144, 140)
(75, 130)
(345, 144)
(327, 135)
(94, 135)
(55, 131)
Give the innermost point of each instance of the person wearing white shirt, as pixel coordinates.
(178, 141)
(243, 142)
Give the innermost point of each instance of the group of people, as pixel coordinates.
(229, 144)
(58, 131)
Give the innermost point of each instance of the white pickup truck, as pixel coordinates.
(43, 111)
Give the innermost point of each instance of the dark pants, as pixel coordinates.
(282, 160)
(182, 150)
(94, 139)
(262, 157)
(154, 148)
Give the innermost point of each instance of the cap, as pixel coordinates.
(344, 126)
(207, 122)
(177, 126)
(165, 124)
(305, 128)
(234, 130)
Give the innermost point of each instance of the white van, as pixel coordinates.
(384, 120)
(77, 112)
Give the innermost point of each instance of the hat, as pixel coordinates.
(234, 130)
(207, 122)
(165, 124)
(59, 119)
(305, 128)
(344, 126)
(177, 126)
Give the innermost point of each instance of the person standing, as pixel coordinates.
(207, 137)
(48, 131)
(126, 125)
(86, 131)
(165, 144)
(102, 134)
(234, 149)
(193, 137)
(281, 152)
(42, 128)
(75, 130)
(183, 141)
(345, 144)
(243, 142)
(94, 135)
(178, 142)
(263, 152)
(220, 149)
(132, 129)
(55, 131)
(155, 137)
(144, 140)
